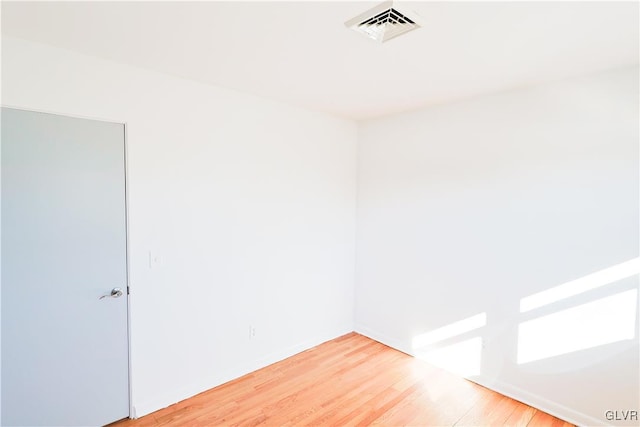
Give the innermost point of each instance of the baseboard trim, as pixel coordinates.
(509, 390)
(557, 410)
(162, 401)
(383, 339)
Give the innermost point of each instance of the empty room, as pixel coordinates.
(313, 213)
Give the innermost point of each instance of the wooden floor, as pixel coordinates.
(351, 380)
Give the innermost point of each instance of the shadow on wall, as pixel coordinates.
(553, 322)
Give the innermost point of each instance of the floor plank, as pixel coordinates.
(349, 381)
(542, 419)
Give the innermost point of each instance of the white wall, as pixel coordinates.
(248, 204)
(465, 209)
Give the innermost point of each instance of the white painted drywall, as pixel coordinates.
(464, 209)
(246, 205)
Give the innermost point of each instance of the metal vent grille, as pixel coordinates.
(383, 22)
(389, 16)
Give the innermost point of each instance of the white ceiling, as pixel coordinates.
(301, 53)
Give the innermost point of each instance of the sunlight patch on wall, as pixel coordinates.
(463, 357)
(451, 330)
(583, 284)
(600, 322)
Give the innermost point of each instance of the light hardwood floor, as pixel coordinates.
(351, 380)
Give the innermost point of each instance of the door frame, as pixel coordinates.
(126, 226)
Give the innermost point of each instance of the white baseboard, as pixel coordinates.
(553, 408)
(143, 408)
(174, 396)
(381, 338)
(516, 393)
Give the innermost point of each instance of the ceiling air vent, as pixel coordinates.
(384, 22)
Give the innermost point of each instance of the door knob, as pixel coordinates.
(115, 293)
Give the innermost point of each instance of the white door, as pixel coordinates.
(64, 350)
